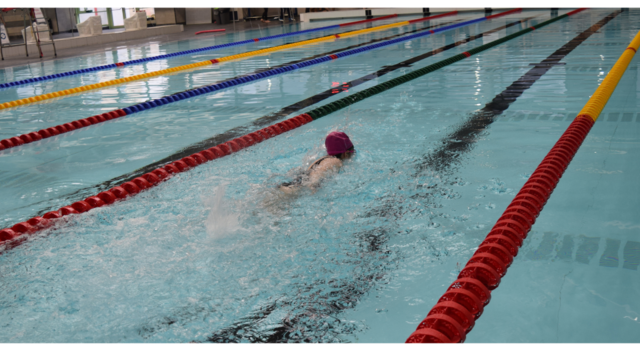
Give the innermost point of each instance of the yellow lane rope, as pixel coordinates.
(599, 99)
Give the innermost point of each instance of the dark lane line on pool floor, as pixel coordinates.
(269, 119)
(496, 106)
(466, 135)
(583, 249)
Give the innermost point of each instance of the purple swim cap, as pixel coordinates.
(337, 142)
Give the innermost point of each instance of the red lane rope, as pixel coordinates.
(454, 314)
(504, 13)
(370, 20)
(59, 129)
(149, 179)
(576, 11)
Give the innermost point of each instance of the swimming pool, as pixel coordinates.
(214, 255)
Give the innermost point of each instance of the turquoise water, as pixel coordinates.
(215, 254)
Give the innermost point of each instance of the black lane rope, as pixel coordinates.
(248, 327)
(269, 119)
(462, 140)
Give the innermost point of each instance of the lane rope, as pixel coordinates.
(92, 120)
(16, 235)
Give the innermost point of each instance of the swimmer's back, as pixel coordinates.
(314, 173)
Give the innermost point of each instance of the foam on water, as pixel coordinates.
(222, 220)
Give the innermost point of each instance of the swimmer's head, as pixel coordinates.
(338, 144)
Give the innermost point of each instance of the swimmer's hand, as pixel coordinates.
(290, 190)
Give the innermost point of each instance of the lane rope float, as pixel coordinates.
(495, 254)
(59, 129)
(182, 53)
(16, 235)
(80, 89)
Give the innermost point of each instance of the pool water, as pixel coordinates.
(216, 254)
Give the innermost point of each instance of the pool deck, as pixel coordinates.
(187, 33)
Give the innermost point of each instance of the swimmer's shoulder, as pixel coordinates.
(330, 162)
(325, 164)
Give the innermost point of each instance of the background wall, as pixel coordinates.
(165, 16)
(181, 15)
(198, 16)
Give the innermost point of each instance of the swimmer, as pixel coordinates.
(339, 148)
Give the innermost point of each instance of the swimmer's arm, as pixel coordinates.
(323, 169)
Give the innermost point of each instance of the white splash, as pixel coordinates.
(221, 220)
